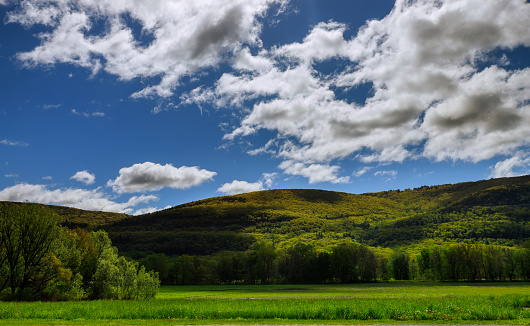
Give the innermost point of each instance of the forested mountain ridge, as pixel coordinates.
(489, 211)
(495, 211)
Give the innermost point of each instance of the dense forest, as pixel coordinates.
(464, 232)
(495, 211)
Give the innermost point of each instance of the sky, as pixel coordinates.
(136, 106)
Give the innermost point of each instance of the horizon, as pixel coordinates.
(136, 107)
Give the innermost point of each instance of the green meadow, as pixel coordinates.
(392, 303)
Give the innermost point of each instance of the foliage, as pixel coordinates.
(493, 211)
(39, 259)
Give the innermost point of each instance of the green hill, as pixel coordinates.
(490, 211)
(495, 211)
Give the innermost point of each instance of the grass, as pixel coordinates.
(502, 303)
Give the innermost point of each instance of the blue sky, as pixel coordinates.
(134, 106)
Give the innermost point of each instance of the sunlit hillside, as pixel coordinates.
(493, 211)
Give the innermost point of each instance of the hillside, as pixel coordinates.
(495, 211)
(490, 211)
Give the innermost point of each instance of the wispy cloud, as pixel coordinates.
(13, 143)
(362, 171)
(51, 106)
(88, 114)
(387, 175)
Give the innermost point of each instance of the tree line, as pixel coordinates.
(40, 260)
(347, 262)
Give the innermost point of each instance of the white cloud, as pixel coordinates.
(238, 187)
(512, 167)
(150, 176)
(87, 114)
(183, 37)
(430, 96)
(47, 178)
(84, 177)
(362, 171)
(146, 210)
(388, 175)
(13, 143)
(314, 172)
(268, 178)
(51, 106)
(12, 175)
(83, 199)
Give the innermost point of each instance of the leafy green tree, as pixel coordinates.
(298, 263)
(367, 264)
(452, 256)
(400, 266)
(344, 261)
(323, 271)
(160, 264)
(118, 278)
(262, 262)
(27, 234)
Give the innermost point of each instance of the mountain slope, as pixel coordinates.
(489, 211)
(494, 210)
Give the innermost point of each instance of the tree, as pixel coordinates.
(400, 266)
(452, 257)
(158, 263)
(118, 278)
(298, 263)
(367, 264)
(27, 234)
(261, 259)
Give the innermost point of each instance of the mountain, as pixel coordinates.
(490, 211)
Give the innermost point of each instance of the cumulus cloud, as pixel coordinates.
(239, 187)
(515, 166)
(151, 176)
(13, 143)
(440, 87)
(84, 177)
(177, 38)
(438, 72)
(314, 172)
(84, 199)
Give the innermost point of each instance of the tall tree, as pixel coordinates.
(27, 235)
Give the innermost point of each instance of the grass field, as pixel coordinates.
(393, 303)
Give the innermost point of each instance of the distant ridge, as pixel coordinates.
(488, 211)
